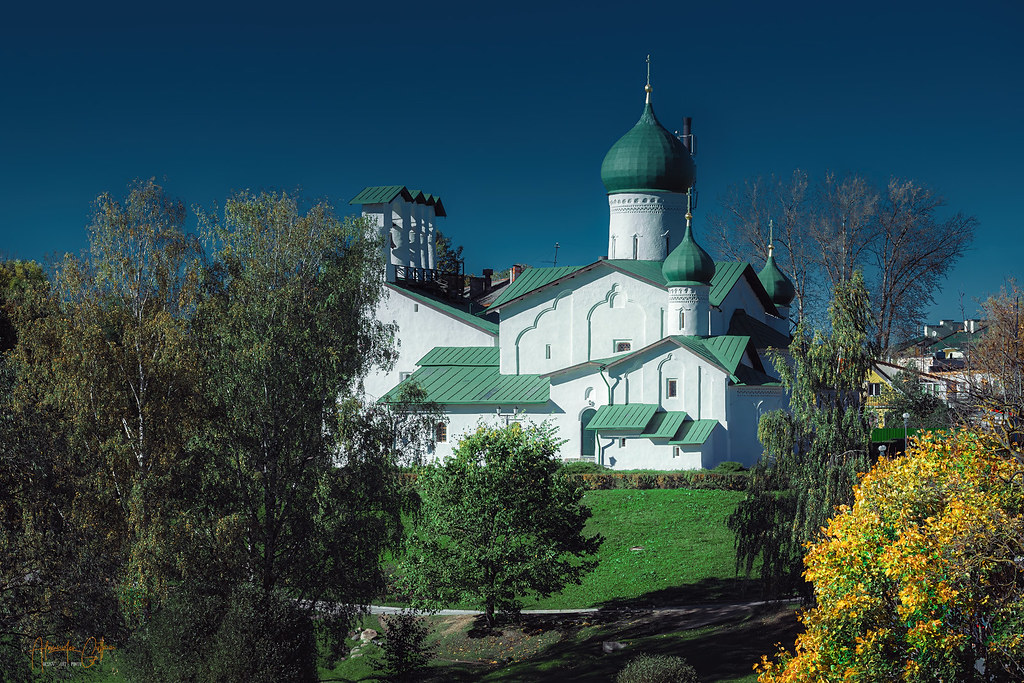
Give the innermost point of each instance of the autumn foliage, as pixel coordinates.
(922, 578)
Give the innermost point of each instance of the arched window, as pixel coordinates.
(441, 432)
(636, 247)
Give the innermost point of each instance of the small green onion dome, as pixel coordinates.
(688, 264)
(779, 287)
(648, 158)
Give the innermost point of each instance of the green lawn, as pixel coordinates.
(662, 548)
(684, 556)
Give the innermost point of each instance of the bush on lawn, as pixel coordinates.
(730, 466)
(657, 669)
(699, 479)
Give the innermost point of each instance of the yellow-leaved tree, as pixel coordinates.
(922, 578)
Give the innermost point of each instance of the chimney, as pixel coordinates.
(489, 277)
(517, 270)
(687, 135)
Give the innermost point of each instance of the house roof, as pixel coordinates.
(468, 356)
(461, 312)
(664, 425)
(632, 417)
(532, 279)
(475, 385)
(644, 420)
(727, 274)
(694, 433)
(724, 352)
(385, 194)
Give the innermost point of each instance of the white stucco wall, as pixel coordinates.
(420, 328)
(580, 320)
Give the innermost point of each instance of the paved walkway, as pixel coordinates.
(723, 607)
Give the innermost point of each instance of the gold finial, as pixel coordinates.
(648, 88)
(771, 237)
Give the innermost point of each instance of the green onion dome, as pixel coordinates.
(779, 287)
(648, 158)
(688, 264)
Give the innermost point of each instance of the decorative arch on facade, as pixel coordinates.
(536, 322)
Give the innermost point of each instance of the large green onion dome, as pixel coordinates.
(779, 287)
(688, 264)
(648, 158)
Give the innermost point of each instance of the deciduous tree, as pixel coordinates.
(922, 578)
(498, 521)
(813, 453)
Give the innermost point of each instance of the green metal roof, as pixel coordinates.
(694, 433)
(727, 274)
(384, 194)
(449, 308)
(475, 356)
(646, 158)
(762, 334)
(531, 279)
(631, 417)
(728, 350)
(381, 194)
(688, 263)
(464, 385)
(664, 425)
(645, 270)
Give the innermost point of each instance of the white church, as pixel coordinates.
(652, 357)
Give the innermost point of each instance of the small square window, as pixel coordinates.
(415, 308)
(675, 451)
(671, 388)
(622, 443)
(874, 389)
(623, 345)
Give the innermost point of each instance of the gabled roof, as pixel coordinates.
(385, 194)
(724, 352)
(449, 308)
(467, 356)
(468, 385)
(762, 334)
(381, 194)
(532, 279)
(727, 274)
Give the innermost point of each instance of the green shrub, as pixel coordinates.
(275, 635)
(582, 467)
(657, 669)
(405, 652)
(730, 466)
(699, 479)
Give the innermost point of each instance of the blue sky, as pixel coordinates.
(507, 110)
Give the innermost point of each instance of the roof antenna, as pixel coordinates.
(648, 88)
(555, 262)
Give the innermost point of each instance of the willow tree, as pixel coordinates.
(814, 451)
